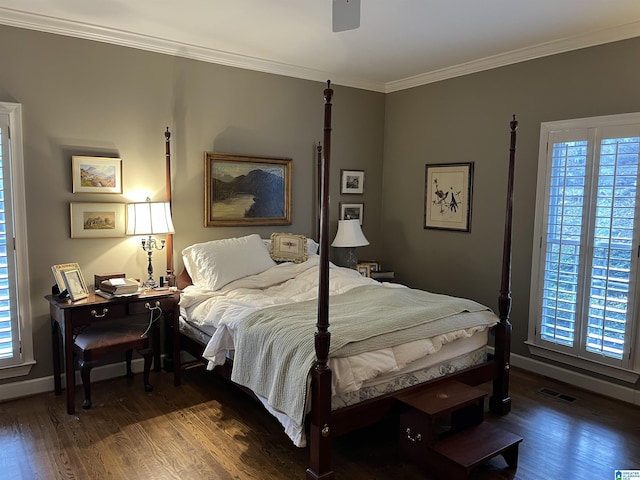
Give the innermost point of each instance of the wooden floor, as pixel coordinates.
(206, 429)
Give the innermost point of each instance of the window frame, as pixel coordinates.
(22, 365)
(627, 369)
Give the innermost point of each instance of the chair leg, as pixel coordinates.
(147, 354)
(85, 374)
(129, 356)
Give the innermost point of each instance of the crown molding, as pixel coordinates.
(17, 18)
(615, 34)
(30, 21)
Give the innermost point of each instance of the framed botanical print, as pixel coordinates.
(447, 197)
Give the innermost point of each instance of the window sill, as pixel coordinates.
(622, 374)
(16, 370)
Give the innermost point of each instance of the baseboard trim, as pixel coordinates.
(596, 385)
(13, 390)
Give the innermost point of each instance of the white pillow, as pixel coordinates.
(211, 265)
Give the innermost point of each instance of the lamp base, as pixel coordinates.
(150, 283)
(352, 260)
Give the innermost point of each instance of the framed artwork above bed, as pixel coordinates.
(246, 190)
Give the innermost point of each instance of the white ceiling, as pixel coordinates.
(400, 43)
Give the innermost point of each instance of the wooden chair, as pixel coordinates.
(97, 341)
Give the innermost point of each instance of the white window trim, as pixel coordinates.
(14, 110)
(631, 374)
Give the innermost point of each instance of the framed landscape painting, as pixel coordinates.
(246, 190)
(447, 197)
(97, 220)
(96, 174)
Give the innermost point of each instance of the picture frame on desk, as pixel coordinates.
(373, 265)
(363, 269)
(74, 284)
(57, 274)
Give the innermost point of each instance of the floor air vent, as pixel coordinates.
(561, 396)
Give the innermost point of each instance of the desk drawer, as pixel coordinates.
(98, 312)
(140, 306)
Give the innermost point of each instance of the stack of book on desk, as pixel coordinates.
(118, 287)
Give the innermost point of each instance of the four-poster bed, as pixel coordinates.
(329, 412)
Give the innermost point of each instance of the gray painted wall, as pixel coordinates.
(467, 119)
(87, 98)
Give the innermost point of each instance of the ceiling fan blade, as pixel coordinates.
(346, 15)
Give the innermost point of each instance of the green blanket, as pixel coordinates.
(275, 346)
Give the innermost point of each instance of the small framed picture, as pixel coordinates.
(64, 267)
(57, 273)
(96, 174)
(74, 284)
(351, 211)
(374, 266)
(352, 181)
(364, 269)
(97, 220)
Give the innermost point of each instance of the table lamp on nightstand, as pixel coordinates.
(350, 236)
(149, 218)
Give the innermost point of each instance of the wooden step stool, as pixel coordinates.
(442, 429)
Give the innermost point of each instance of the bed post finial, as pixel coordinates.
(500, 401)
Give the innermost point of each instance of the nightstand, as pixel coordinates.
(68, 318)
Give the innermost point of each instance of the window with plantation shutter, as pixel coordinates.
(585, 259)
(16, 344)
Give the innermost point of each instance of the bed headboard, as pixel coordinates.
(183, 280)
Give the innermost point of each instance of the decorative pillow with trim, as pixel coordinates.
(288, 247)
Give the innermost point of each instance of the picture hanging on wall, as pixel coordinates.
(351, 211)
(96, 174)
(352, 181)
(447, 198)
(97, 220)
(243, 190)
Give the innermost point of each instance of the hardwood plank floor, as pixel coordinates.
(207, 429)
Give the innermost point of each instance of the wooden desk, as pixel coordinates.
(68, 317)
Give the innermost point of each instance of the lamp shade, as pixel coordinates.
(149, 218)
(349, 234)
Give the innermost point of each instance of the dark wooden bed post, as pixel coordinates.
(500, 401)
(320, 431)
(169, 242)
(319, 199)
